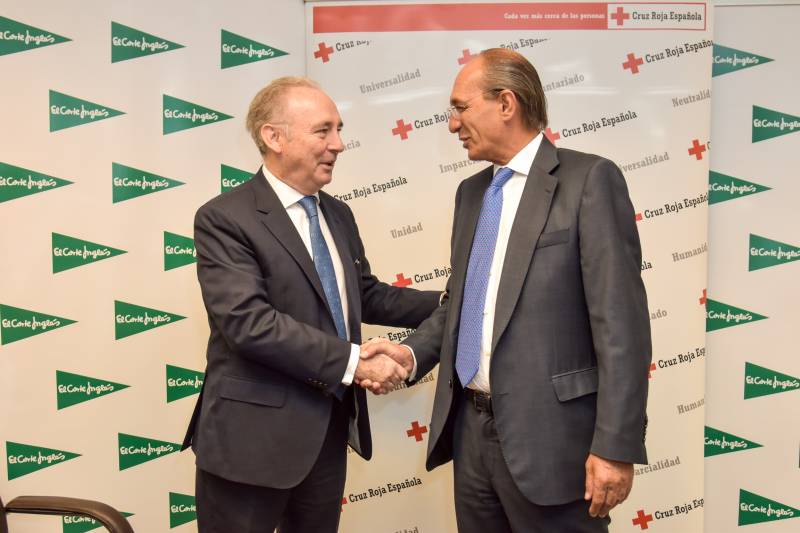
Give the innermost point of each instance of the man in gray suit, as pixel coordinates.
(544, 338)
(286, 286)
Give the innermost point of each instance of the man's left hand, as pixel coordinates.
(608, 483)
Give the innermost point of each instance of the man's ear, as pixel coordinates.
(509, 105)
(274, 137)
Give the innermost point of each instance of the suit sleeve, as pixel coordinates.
(427, 340)
(385, 304)
(610, 255)
(236, 298)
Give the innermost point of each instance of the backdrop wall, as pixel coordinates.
(752, 430)
(120, 121)
(628, 81)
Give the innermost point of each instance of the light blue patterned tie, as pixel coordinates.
(470, 329)
(324, 265)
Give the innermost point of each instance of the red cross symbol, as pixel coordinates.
(642, 519)
(466, 57)
(402, 281)
(652, 369)
(402, 129)
(638, 217)
(344, 501)
(324, 52)
(703, 298)
(620, 16)
(416, 431)
(697, 149)
(633, 63)
(551, 135)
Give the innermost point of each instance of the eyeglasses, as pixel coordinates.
(457, 109)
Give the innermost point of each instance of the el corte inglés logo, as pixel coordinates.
(67, 111)
(18, 37)
(134, 450)
(16, 182)
(130, 43)
(22, 459)
(17, 323)
(182, 115)
(130, 319)
(720, 315)
(237, 50)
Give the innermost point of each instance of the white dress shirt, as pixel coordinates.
(512, 193)
(289, 199)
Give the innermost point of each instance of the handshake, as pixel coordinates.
(383, 365)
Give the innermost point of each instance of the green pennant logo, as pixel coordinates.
(238, 50)
(67, 111)
(182, 115)
(718, 442)
(69, 252)
(135, 450)
(129, 182)
(765, 253)
(730, 60)
(182, 509)
(17, 324)
(16, 182)
(768, 124)
(760, 381)
(182, 382)
(130, 43)
(81, 524)
(18, 37)
(178, 251)
(720, 315)
(130, 319)
(231, 177)
(72, 389)
(22, 459)
(722, 188)
(754, 509)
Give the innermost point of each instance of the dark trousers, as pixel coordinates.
(313, 506)
(487, 498)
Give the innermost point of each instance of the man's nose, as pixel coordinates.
(336, 144)
(453, 123)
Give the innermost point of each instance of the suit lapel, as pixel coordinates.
(273, 216)
(532, 213)
(342, 238)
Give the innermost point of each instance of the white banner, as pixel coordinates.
(627, 81)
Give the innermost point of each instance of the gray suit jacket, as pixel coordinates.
(571, 342)
(274, 359)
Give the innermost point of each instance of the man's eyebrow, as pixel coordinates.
(326, 124)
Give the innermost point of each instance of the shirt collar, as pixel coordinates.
(285, 192)
(523, 161)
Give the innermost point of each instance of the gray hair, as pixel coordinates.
(506, 69)
(268, 104)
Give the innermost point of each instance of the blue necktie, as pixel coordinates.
(324, 265)
(470, 329)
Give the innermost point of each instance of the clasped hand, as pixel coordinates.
(383, 365)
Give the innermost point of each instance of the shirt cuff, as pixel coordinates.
(350, 372)
(413, 374)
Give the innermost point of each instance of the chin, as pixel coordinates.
(473, 156)
(324, 179)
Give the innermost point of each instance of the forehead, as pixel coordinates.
(467, 83)
(307, 105)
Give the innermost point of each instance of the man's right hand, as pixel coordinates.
(380, 374)
(379, 348)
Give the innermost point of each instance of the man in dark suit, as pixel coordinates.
(286, 286)
(544, 338)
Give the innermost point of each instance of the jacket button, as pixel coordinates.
(450, 383)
